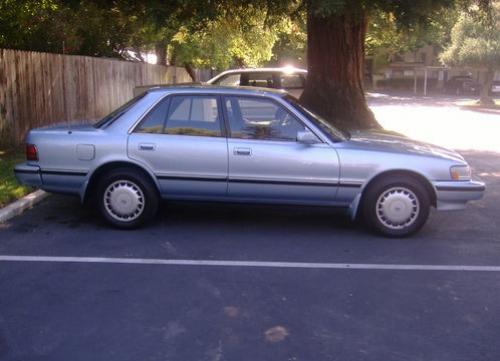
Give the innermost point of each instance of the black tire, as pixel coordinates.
(416, 194)
(134, 181)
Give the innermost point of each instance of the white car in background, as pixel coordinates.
(495, 87)
(288, 78)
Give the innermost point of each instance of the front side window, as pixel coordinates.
(253, 118)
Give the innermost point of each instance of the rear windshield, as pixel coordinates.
(117, 113)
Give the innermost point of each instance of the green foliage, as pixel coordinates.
(475, 40)
(290, 47)
(386, 37)
(93, 27)
(218, 34)
(10, 189)
(27, 24)
(240, 37)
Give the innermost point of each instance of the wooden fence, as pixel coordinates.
(38, 89)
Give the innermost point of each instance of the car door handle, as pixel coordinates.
(242, 151)
(147, 146)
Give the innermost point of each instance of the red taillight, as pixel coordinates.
(31, 152)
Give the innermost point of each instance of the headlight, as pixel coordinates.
(460, 172)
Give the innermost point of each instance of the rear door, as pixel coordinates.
(183, 141)
(266, 163)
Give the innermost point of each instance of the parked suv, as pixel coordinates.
(288, 78)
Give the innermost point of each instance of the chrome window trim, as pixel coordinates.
(274, 98)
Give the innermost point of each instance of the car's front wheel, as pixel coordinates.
(397, 206)
(127, 198)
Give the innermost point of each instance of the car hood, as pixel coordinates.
(387, 141)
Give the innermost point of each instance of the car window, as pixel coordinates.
(251, 118)
(154, 121)
(193, 115)
(334, 133)
(229, 80)
(117, 113)
(292, 81)
(260, 79)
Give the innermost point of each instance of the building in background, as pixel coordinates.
(421, 71)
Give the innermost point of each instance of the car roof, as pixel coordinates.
(216, 89)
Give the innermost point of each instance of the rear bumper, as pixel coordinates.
(28, 174)
(454, 195)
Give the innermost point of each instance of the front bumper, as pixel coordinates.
(452, 195)
(28, 174)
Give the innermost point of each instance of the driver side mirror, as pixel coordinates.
(307, 137)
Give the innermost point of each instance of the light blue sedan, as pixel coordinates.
(207, 143)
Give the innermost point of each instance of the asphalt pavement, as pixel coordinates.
(52, 310)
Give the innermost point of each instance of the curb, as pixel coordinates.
(21, 205)
(480, 110)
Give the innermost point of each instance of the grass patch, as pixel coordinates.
(10, 190)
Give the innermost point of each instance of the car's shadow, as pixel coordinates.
(212, 214)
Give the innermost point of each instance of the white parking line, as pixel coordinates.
(259, 264)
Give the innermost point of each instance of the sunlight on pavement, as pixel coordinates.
(447, 126)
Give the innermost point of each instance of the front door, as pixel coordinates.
(183, 142)
(266, 163)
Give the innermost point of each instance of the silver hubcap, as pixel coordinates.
(397, 208)
(124, 200)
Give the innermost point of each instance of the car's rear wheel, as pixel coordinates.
(397, 206)
(127, 198)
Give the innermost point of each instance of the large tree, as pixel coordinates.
(476, 43)
(336, 51)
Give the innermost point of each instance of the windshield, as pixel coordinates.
(337, 134)
(117, 113)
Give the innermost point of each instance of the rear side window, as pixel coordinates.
(260, 79)
(117, 113)
(154, 121)
(292, 81)
(196, 115)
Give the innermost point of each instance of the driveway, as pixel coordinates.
(223, 282)
(439, 120)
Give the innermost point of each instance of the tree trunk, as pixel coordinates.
(161, 53)
(335, 58)
(239, 62)
(484, 98)
(191, 71)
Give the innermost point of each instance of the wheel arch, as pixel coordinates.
(394, 172)
(93, 180)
